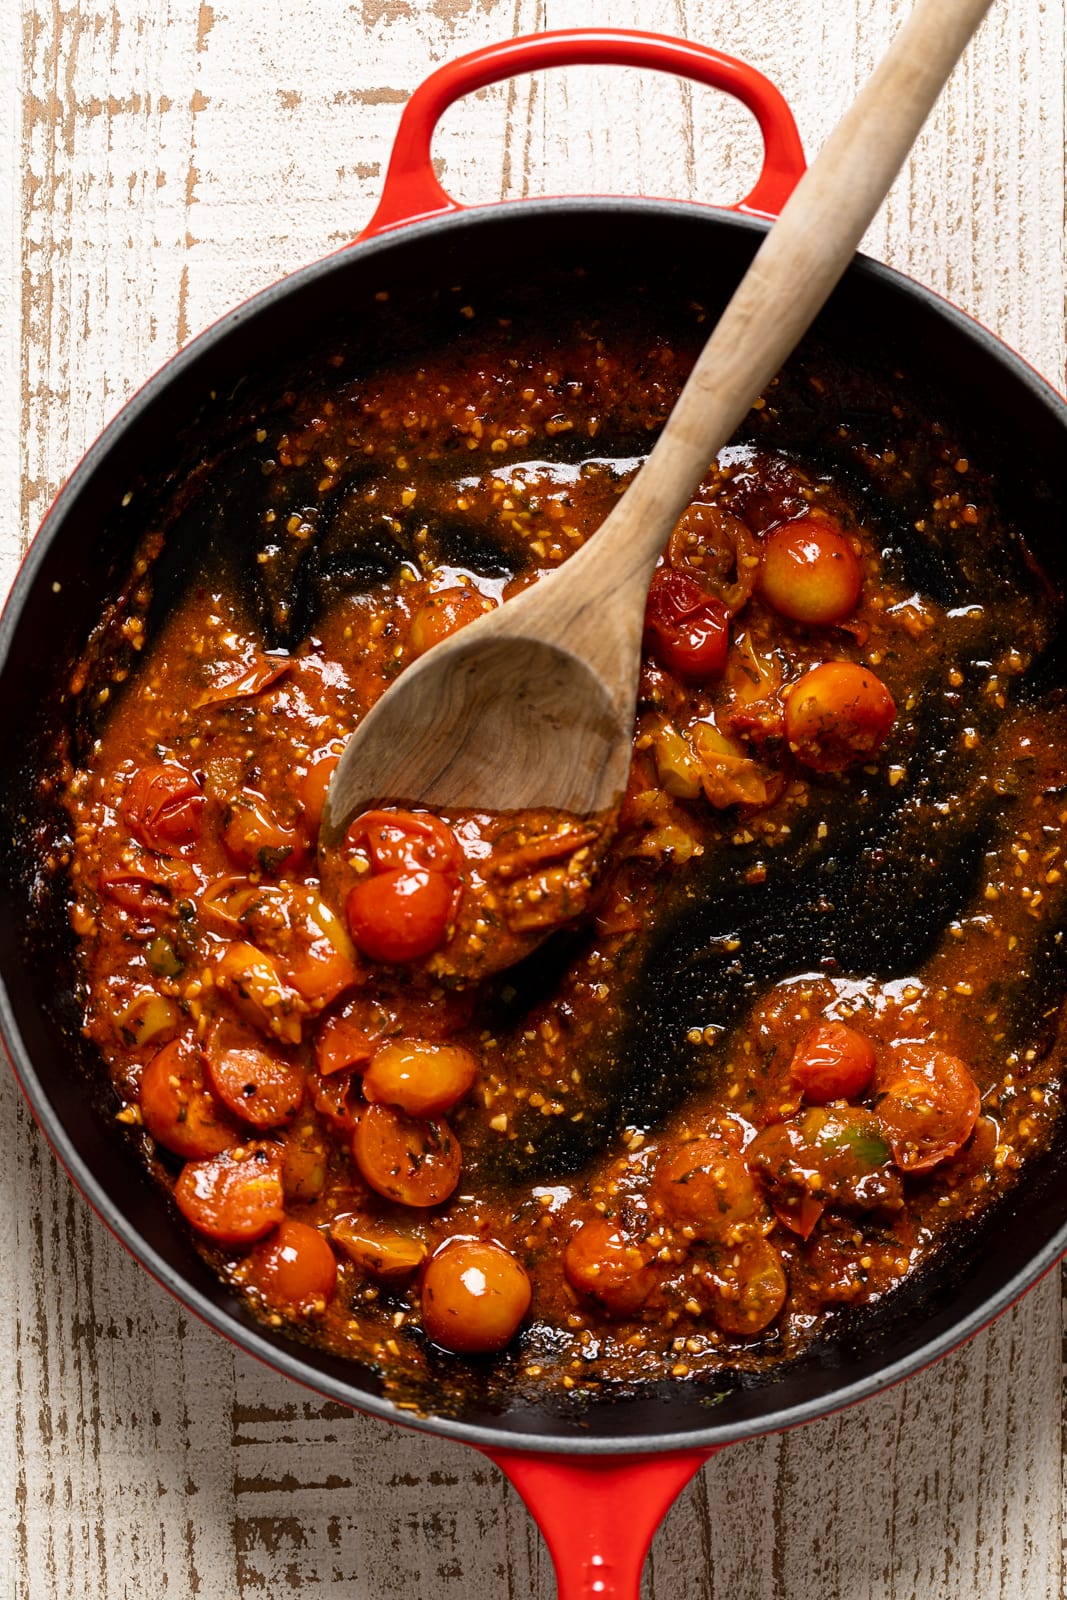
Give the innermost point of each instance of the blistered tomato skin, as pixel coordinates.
(163, 808)
(810, 573)
(474, 1296)
(837, 715)
(929, 1104)
(687, 630)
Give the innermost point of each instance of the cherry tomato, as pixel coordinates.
(295, 1270)
(350, 1038)
(305, 1162)
(602, 1262)
(705, 1186)
(748, 1287)
(687, 630)
(338, 1100)
(178, 1111)
(832, 1062)
(444, 613)
(254, 835)
(474, 1295)
(234, 1198)
(798, 1211)
(415, 1162)
(411, 841)
(377, 1248)
(422, 1078)
(135, 892)
(401, 915)
(260, 1088)
(712, 546)
(836, 715)
(163, 808)
(837, 1154)
(311, 790)
(252, 979)
(810, 572)
(929, 1104)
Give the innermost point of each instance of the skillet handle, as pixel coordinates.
(598, 1516)
(412, 191)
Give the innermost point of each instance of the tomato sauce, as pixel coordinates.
(609, 1100)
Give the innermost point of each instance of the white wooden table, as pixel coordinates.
(163, 159)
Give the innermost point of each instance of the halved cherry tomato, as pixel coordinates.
(260, 1088)
(443, 614)
(421, 1077)
(929, 1104)
(378, 1249)
(264, 671)
(295, 1270)
(338, 1100)
(410, 841)
(600, 1261)
(836, 715)
(717, 550)
(748, 1287)
(474, 1295)
(832, 1062)
(137, 892)
(311, 789)
(415, 1162)
(251, 977)
(236, 1197)
(305, 1163)
(687, 630)
(705, 1186)
(178, 1111)
(163, 808)
(810, 572)
(401, 915)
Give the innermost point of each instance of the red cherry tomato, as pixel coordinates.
(295, 1271)
(928, 1104)
(163, 808)
(836, 715)
(832, 1062)
(686, 630)
(810, 572)
(401, 915)
(411, 841)
(259, 1087)
(406, 1159)
(474, 1295)
(236, 1197)
(178, 1111)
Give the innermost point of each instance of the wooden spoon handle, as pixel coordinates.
(789, 280)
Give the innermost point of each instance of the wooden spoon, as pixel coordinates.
(533, 704)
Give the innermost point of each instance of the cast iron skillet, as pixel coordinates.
(627, 1456)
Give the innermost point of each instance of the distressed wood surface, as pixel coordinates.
(163, 159)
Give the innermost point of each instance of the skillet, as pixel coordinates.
(634, 1451)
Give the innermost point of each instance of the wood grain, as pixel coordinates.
(171, 157)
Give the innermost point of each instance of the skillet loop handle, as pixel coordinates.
(598, 1516)
(412, 191)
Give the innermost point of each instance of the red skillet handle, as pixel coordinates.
(411, 188)
(598, 1517)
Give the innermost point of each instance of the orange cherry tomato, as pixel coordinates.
(474, 1296)
(705, 1186)
(810, 572)
(687, 630)
(748, 1287)
(295, 1270)
(422, 1078)
(602, 1262)
(253, 835)
(401, 915)
(233, 1198)
(928, 1103)
(350, 1038)
(836, 715)
(260, 1088)
(832, 1062)
(305, 1163)
(377, 1249)
(414, 1162)
(311, 789)
(411, 841)
(443, 614)
(178, 1111)
(163, 808)
(337, 1099)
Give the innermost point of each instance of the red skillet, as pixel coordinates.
(597, 1482)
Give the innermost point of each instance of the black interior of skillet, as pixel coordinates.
(1019, 431)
